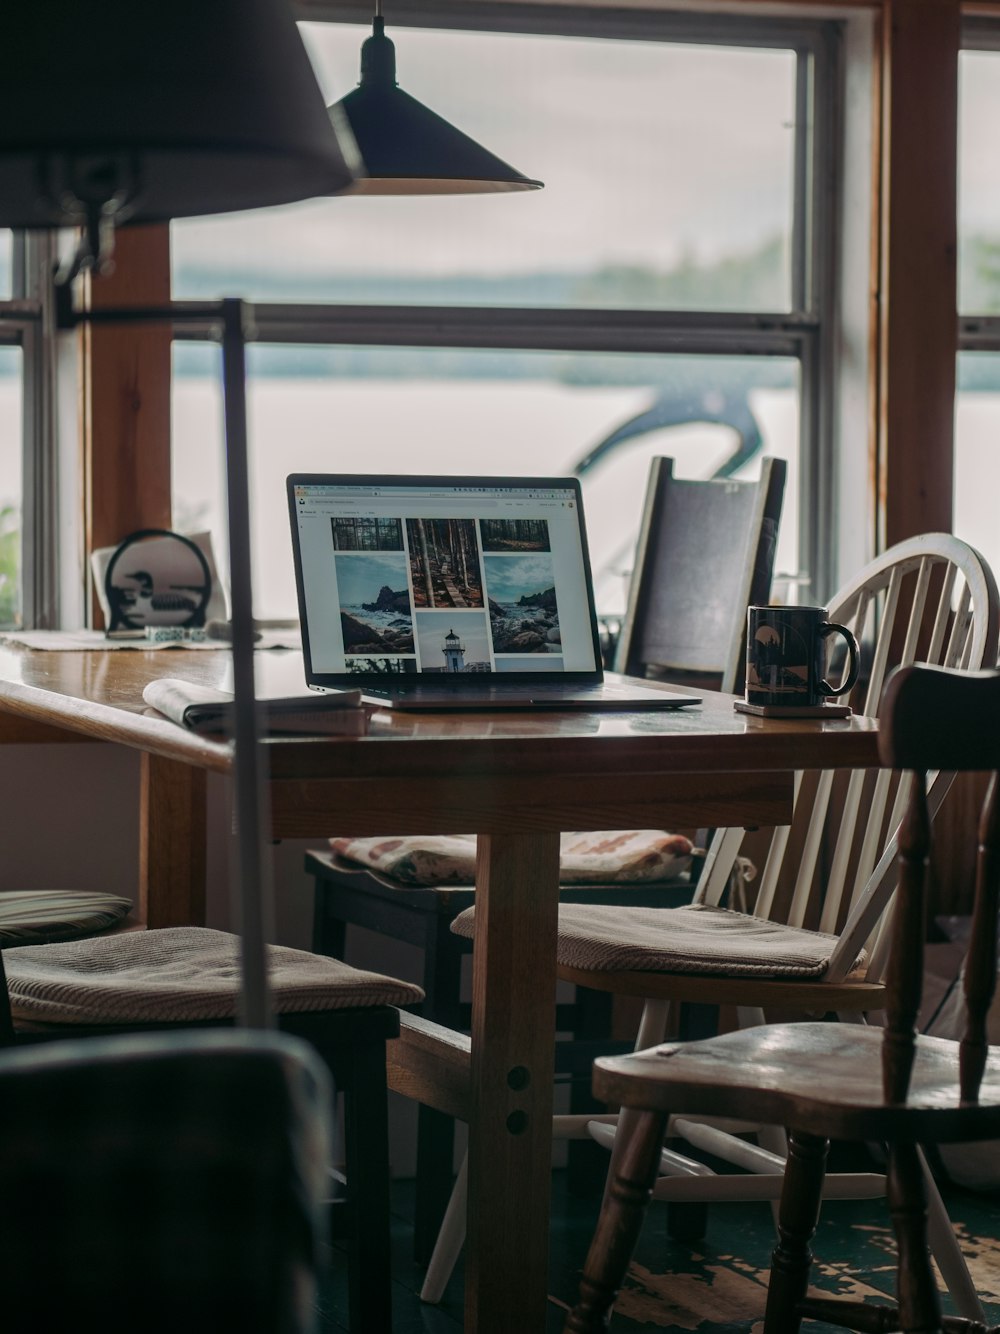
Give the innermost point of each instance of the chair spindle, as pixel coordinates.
(981, 964)
(904, 980)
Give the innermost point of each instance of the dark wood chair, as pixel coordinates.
(705, 552)
(842, 1081)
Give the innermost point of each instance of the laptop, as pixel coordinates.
(452, 593)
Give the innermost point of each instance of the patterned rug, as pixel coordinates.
(718, 1286)
(715, 1288)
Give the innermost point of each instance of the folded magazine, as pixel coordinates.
(204, 709)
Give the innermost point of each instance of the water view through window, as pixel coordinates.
(483, 413)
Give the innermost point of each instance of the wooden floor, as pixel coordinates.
(716, 1287)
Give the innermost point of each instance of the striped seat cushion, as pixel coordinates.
(691, 939)
(178, 975)
(611, 857)
(39, 916)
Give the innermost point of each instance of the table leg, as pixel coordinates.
(171, 843)
(513, 1040)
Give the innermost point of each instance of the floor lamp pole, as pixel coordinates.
(251, 879)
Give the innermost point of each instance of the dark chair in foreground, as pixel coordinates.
(705, 552)
(840, 1081)
(188, 978)
(163, 1183)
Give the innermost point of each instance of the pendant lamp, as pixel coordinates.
(406, 147)
(122, 111)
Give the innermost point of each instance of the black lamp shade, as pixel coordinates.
(406, 147)
(199, 106)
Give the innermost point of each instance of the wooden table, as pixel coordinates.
(516, 779)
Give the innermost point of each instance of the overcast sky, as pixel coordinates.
(648, 152)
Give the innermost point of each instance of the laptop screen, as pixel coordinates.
(441, 577)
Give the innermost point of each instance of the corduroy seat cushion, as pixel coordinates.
(614, 856)
(691, 939)
(178, 975)
(40, 916)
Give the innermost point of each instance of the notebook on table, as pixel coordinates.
(452, 592)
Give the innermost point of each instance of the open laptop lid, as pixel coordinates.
(459, 578)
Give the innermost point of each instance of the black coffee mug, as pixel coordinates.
(786, 656)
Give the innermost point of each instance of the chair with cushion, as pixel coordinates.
(164, 1182)
(189, 977)
(705, 551)
(816, 939)
(841, 1081)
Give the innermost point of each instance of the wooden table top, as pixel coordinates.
(98, 695)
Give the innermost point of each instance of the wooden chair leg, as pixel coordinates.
(688, 1222)
(329, 935)
(442, 982)
(435, 1173)
(366, 1145)
(919, 1303)
(797, 1219)
(618, 1226)
(587, 1163)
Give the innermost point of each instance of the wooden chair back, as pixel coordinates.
(930, 599)
(935, 720)
(705, 553)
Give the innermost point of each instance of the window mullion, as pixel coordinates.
(569, 330)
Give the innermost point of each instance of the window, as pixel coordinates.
(21, 427)
(977, 410)
(667, 292)
(5, 264)
(10, 488)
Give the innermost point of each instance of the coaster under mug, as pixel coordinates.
(829, 711)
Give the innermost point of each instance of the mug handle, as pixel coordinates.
(851, 679)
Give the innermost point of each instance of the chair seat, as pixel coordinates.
(37, 916)
(178, 975)
(613, 856)
(695, 938)
(816, 1078)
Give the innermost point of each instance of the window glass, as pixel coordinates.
(668, 184)
(6, 284)
(977, 431)
(6, 259)
(979, 183)
(10, 485)
(405, 410)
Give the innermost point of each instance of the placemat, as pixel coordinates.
(77, 641)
